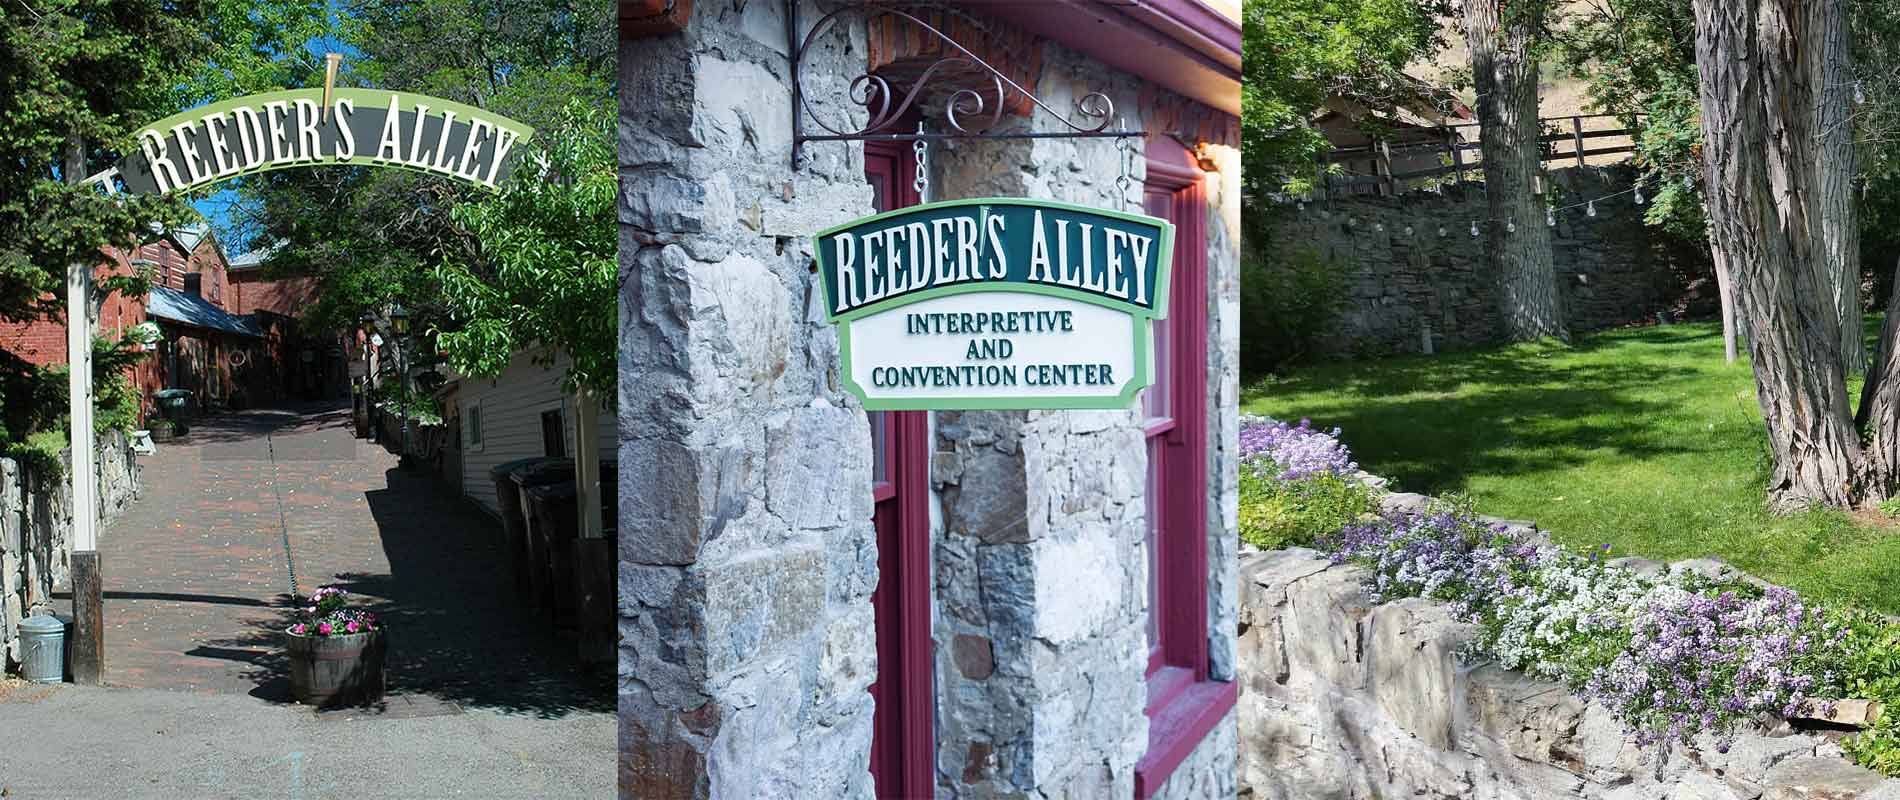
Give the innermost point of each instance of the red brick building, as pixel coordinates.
(190, 300)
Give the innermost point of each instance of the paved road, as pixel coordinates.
(195, 586)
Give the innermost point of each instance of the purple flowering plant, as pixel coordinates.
(326, 612)
(1291, 452)
(1671, 655)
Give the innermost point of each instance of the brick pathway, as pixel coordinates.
(195, 576)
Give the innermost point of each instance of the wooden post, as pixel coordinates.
(1576, 129)
(88, 646)
(593, 558)
(1457, 159)
(89, 640)
(1383, 167)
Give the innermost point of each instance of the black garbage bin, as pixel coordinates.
(554, 524)
(510, 478)
(596, 578)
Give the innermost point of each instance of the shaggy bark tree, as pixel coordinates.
(1504, 74)
(1770, 192)
(1834, 127)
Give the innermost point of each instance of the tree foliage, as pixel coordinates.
(374, 237)
(538, 267)
(1302, 53)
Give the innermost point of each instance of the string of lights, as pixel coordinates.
(1551, 212)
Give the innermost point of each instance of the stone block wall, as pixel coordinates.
(1345, 700)
(36, 522)
(1403, 276)
(747, 636)
(1041, 572)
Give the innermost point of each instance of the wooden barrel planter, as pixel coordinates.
(332, 671)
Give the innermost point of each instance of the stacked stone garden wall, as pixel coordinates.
(36, 523)
(1402, 276)
(1345, 699)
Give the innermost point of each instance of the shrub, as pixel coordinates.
(1288, 302)
(1296, 483)
(1276, 513)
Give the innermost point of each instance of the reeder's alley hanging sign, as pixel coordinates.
(296, 128)
(996, 303)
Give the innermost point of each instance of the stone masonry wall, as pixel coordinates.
(1344, 700)
(36, 522)
(1041, 572)
(1611, 268)
(747, 636)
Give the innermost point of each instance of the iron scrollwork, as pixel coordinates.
(968, 112)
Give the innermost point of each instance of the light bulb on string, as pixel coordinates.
(1639, 194)
(1408, 230)
(1590, 209)
(1860, 95)
(1379, 227)
(1550, 217)
(1510, 225)
(1441, 231)
(1474, 229)
(1688, 181)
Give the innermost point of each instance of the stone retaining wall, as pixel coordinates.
(1402, 275)
(36, 521)
(1341, 698)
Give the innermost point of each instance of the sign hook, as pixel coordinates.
(922, 150)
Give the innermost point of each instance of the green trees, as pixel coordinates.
(1301, 53)
(488, 273)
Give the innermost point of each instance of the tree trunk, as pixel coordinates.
(1504, 73)
(1833, 70)
(1763, 202)
(1880, 406)
(1726, 290)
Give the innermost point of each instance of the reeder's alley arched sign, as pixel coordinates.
(278, 130)
(997, 303)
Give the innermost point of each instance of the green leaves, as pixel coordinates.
(1302, 55)
(540, 270)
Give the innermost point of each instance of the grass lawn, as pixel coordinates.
(1638, 438)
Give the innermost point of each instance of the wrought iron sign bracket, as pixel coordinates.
(969, 113)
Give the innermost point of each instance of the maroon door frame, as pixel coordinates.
(903, 740)
(1183, 703)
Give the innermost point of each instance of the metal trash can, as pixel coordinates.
(43, 648)
(510, 478)
(174, 404)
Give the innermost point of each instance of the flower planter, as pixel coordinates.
(161, 433)
(330, 671)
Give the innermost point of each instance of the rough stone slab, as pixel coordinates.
(1321, 627)
(1410, 648)
(1818, 779)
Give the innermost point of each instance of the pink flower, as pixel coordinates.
(297, 629)
(351, 627)
(323, 628)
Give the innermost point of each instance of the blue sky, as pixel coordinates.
(218, 208)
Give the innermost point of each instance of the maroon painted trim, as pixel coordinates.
(903, 740)
(1182, 45)
(1174, 731)
(1183, 703)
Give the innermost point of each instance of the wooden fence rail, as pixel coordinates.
(1451, 143)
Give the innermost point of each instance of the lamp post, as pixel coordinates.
(399, 322)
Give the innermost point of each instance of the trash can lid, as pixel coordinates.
(508, 467)
(171, 394)
(42, 623)
(560, 490)
(543, 470)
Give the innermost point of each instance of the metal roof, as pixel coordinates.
(188, 309)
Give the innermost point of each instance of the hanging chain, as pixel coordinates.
(1126, 145)
(922, 150)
